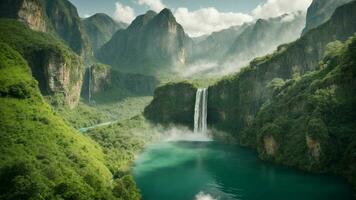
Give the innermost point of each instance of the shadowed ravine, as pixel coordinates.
(211, 170)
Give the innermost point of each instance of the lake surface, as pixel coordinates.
(211, 170)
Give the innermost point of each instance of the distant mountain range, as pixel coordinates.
(235, 47)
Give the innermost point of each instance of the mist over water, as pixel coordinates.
(176, 134)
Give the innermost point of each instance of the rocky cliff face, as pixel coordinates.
(58, 75)
(320, 11)
(30, 12)
(173, 104)
(151, 44)
(100, 28)
(108, 85)
(241, 97)
(309, 122)
(58, 17)
(58, 70)
(65, 20)
(100, 78)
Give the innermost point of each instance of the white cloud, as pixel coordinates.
(155, 5)
(208, 20)
(124, 13)
(274, 8)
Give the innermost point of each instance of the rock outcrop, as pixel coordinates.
(58, 70)
(240, 97)
(59, 17)
(108, 85)
(31, 12)
(59, 76)
(64, 18)
(173, 104)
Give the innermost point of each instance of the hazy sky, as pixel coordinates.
(198, 17)
(89, 7)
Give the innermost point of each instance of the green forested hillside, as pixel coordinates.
(58, 70)
(310, 122)
(41, 157)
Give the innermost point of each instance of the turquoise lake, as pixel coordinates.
(211, 170)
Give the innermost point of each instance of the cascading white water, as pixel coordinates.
(89, 85)
(201, 111)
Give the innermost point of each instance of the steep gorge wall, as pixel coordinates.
(30, 12)
(108, 85)
(66, 23)
(58, 76)
(57, 69)
(310, 123)
(58, 17)
(173, 104)
(235, 101)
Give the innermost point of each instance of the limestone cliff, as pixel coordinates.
(311, 119)
(59, 76)
(30, 12)
(105, 84)
(64, 18)
(240, 97)
(172, 104)
(58, 70)
(58, 17)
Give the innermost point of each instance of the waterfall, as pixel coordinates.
(201, 114)
(89, 85)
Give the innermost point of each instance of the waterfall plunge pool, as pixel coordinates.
(212, 170)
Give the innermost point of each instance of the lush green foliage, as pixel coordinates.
(313, 118)
(41, 157)
(173, 103)
(25, 41)
(85, 115)
(42, 50)
(121, 143)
